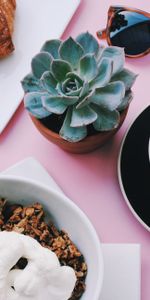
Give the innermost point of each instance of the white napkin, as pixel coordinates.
(122, 262)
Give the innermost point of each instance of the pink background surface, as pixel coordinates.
(90, 180)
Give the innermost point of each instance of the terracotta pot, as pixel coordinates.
(88, 144)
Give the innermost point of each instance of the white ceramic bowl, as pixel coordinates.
(67, 216)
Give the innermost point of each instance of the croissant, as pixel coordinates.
(7, 12)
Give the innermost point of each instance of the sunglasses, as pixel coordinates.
(128, 28)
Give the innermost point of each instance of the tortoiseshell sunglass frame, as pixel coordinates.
(105, 33)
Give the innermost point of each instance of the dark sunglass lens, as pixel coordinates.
(131, 30)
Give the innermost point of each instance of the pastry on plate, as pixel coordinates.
(7, 13)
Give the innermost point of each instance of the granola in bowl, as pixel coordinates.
(65, 214)
(30, 220)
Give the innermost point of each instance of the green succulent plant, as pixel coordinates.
(82, 81)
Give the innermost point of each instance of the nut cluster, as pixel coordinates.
(30, 220)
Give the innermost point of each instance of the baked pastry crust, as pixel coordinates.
(7, 12)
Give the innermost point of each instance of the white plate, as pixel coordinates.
(35, 22)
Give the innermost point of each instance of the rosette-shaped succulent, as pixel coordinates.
(82, 81)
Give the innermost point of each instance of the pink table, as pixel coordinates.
(90, 180)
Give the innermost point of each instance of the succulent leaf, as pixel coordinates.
(88, 43)
(116, 54)
(74, 76)
(127, 77)
(49, 82)
(106, 120)
(52, 101)
(99, 53)
(85, 100)
(83, 116)
(125, 101)
(88, 67)
(82, 80)
(71, 88)
(72, 134)
(33, 104)
(59, 88)
(74, 93)
(110, 96)
(60, 68)
(84, 91)
(52, 47)
(104, 74)
(41, 63)
(54, 104)
(71, 51)
(30, 83)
